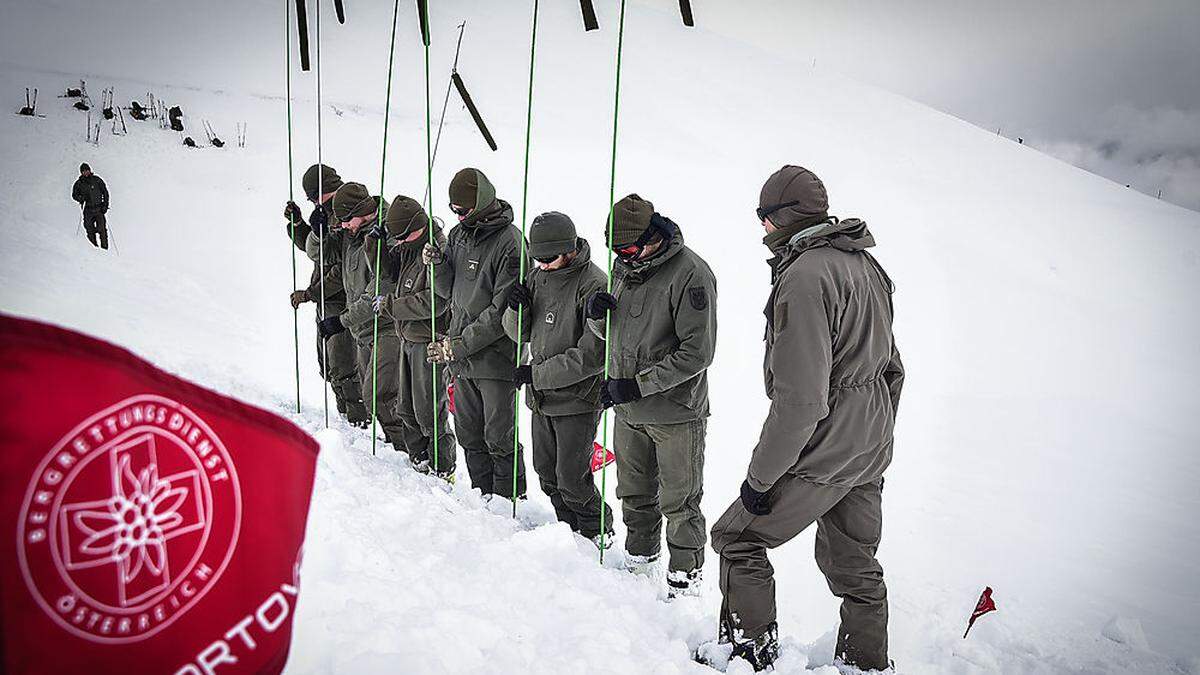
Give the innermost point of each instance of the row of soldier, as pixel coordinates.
(391, 330)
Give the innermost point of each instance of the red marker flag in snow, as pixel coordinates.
(601, 457)
(985, 605)
(152, 526)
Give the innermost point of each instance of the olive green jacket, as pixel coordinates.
(832, 370)
(482, 262)
(408, 301)
(663, 334)
(358, 278)
(567, 359)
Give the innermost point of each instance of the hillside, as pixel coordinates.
(1046, 444)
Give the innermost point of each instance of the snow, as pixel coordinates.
(1046, 442)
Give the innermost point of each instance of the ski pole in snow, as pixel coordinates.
(379, 215)
(612, 188)
(287, 37)
(521, 245)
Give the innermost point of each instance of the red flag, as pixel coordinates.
(450, 395)
(985, 605)
(157, 525)
(601, 457)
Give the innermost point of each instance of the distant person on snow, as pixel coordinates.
(562, 379)
(336, 357)
(833, 375)
(92, 195)
(663, 314)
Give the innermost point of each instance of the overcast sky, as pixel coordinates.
(1112, 86)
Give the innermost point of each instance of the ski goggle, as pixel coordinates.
(629, 250)
(459, 210)
(763, 211)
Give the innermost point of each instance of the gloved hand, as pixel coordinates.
(757, 503)
(330, 326)
(439, 351)
(319, 221)
(618, 391)
(523, 375)
(299, 298)
(377, 303)
(519, 295)
(292, 214)
(377, 232)
(600, 303)
(432, 255)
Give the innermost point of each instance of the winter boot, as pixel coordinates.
(357, 415)
(447, 476)
(759, 652)
(683, 583)
(645, 565)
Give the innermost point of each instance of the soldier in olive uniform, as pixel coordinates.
(377, 356)
(408, 303)
(662, 337)
(480, 262)
(336, 357)
(562, 381)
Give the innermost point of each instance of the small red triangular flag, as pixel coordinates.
(985, 605)
(601, 457)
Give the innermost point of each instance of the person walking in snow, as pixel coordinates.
(663, 332)
(408, 304)
(562, 381)
(376, 355)
(336, 358)
(92, 194)
(479, 263)
(833, 375)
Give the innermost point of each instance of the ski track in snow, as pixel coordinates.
(1045, 317)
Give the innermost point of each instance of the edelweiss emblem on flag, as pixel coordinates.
(129, 531)
(129, 520)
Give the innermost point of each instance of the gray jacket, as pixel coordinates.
(482, 262)
(358, 278)
(832, 370)
(663, 334)
(567, 359)
(408, 298)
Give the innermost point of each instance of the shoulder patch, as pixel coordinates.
(698, 297)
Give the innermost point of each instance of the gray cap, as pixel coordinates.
(552, 234)
(794, 184)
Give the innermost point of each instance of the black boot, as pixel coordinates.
(759, 652)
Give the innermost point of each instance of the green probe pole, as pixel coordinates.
(433, 389)
(379, 220)
(521, 269)
(612, 188)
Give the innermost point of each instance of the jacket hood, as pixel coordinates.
(845, 235)
(491, 219)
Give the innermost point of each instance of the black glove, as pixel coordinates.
(319, 221)
(523, 375)
(599, 304)
(519, 295)
(330, 326)
(378, 232)
(618, 391)
(292, 214)
(757, 503)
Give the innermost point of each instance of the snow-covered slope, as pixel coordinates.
(1046, 443)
